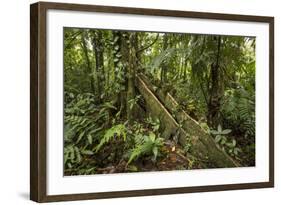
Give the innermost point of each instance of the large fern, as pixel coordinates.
(146, 145)
(239, 111)
(118, 131)
(72, 155)
(84, 123)
(84, 120)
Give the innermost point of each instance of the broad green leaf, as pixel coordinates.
(218, 138)
(219, 128)
(78, 156)
(90, 139)
(225, 132)
(80, 136)
(155, 152)
(152, 136)
(234, 142)
(87, 152)
(215, 132)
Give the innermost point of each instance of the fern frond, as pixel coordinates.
(148, 145)
(115, 131)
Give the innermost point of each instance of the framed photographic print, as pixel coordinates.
(134, 102)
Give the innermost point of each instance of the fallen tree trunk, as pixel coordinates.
(157, 110)
(176, 120)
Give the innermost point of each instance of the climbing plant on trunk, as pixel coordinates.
(98, 48)
(216, 87)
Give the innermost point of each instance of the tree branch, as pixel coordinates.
(146, 47)
(73, 37)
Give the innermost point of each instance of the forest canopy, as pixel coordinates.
(149, 101)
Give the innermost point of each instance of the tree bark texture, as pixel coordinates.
(173, 118)
(216, 89)
(98, 48)
(88, 62)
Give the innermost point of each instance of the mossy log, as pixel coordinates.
(175, 119)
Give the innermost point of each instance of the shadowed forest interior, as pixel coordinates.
(148, 101)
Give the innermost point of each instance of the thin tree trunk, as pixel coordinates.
(132, 65)
(164, 66)
(216, 89)
(117, 38)
(89, 66)
(120, 56)
(98, 48)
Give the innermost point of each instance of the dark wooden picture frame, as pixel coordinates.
(38, 100)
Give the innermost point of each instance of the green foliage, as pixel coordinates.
(163, 57)
(133, 101)
(146, 145)
(84, 123)
(224, 142)
(83, 120)
(117, 131)
(99, 100)
(187, 147)
(155, 124)
(232, 149)
(220, 135)
(239, 111)
(72, 155)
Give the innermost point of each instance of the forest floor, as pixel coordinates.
(172, 158)
(114, 155)
(150, 101)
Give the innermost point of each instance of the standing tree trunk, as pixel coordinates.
(98, 47)
(164, 66)
(132, 65)
(88, 62)
(120, 58)
(216, 89)
(117, 56)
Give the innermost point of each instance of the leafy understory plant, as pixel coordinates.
(134, 101)
(118, 131)
(220, 135)
(220, 138)
(72, 156)
(154, 123)
(232, 149)
(146, 145)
